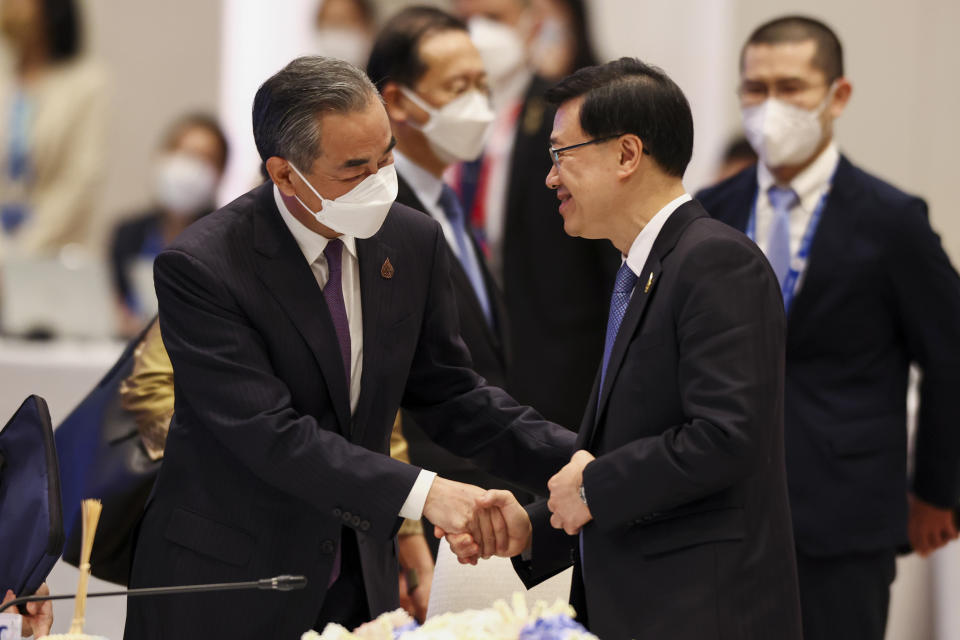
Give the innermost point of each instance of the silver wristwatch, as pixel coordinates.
(583, 494)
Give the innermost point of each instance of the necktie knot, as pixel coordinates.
(334, 253)
(626, 279)
(450, 204)
(782, 198)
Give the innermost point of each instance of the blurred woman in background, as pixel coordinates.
(187, 174)
(53, 107)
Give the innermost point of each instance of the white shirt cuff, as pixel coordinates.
(412, 508)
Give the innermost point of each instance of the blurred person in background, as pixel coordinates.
(53, 103)
(435, 88)
(148, 395)
(556, 288)
(738, 156)
(186, 177)
(868, 290)
(345, 30)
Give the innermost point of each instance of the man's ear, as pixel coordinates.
(841, 96)
(630, 149)
(394, 102)
(280, 172)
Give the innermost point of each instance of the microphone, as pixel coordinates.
(278, 583)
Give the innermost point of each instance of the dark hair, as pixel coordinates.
(61, 25)
(204, 121)
(584, 54)
(628, 96)
(739, 148)
(287, 106)
(828, 57)
(395, 55)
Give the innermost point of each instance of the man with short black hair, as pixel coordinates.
(868, 290)
(298, 319)
(434, 88)
(673, 509)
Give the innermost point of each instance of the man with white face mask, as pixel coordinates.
(868, 290)
(433, 82)
(298, 319)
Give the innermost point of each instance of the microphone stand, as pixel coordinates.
(279, 583)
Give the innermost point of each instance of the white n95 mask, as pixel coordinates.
(501, 48)
(184, 184)
(783, 134)
(361, 211)
(458, 130)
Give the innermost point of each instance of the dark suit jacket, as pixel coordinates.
(879, 293)
(265, 468)
(690, 536)
(557, 288)
(488, 350)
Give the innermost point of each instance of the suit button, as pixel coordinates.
(346, 516)
(337, 512)
(327, 547)
(355, 521)
(364, 526)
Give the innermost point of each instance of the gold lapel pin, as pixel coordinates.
(646, 289)
(386, 271)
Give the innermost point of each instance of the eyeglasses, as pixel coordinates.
(555, 153)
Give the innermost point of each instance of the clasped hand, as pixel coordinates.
(479, 524)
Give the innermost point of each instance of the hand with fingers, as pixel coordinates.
(566, 503)
(37, 616)
(506, 529)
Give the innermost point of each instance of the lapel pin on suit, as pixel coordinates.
(386, 271)
(646, 289)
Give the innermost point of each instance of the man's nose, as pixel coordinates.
(553, 178)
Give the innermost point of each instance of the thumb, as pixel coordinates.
(438, 532)
(494, 498)
(8, 596)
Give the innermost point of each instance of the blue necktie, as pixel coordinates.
(622, 290)
(333, 295)
(468, 259)
(782, 199)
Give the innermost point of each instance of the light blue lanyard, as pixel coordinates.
(798, 263)
(19, 145)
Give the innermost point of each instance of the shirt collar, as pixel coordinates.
(643, 243)
(310, 242)
(810, 183)
(425, 185)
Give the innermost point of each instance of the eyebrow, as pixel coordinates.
(359, 162)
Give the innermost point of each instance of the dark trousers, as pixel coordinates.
(346, 600)
(845, 597)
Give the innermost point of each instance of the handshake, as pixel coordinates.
(480, 524)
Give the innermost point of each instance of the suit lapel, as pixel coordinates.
(829, 246)
(288, 277)
(644, 291)
(376, 296)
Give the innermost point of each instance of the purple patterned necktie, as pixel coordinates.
(333, 294)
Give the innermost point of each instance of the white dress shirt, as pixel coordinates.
(809, 185)
(312, 245)
(643, 243)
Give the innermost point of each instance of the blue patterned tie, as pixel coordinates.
(468, 259)
(622, 289)
(782, 199)
(333, 295)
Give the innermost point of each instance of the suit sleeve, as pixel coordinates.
(928, 301)
(460, 412)
(551, 551)
(225, 383)
(730, 342)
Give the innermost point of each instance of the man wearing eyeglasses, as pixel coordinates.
(867, 289)
(673, 508)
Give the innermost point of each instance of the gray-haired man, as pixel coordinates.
(298, 318)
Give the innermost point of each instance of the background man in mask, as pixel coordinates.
(555, 287)
(298, 319)
(868, 290)
(434, 85)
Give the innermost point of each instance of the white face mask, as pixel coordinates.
(500, 47)
(351, 45)
(184, 184)
(458, 130)
(361, 211)
(782, 134)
